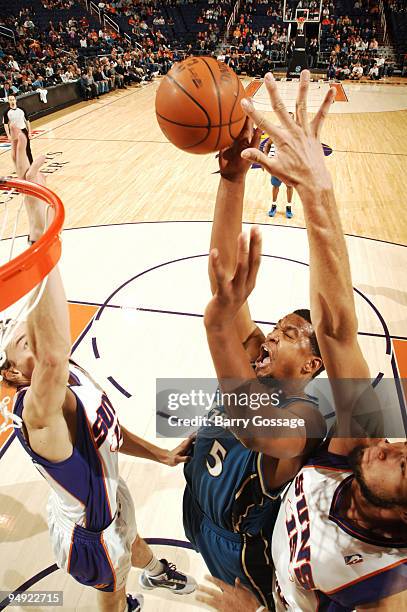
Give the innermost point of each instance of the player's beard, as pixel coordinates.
(355, 460)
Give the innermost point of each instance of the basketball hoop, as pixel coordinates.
(27, 271)
(300, 25)
(21, 274)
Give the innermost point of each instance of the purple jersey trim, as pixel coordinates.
(81, 475)
(381, 584)
(355, 531)
(323, 458)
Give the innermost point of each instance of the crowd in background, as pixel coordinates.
(354, 48)
(42, 58)
(103, 60)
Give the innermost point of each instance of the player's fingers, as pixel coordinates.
(185, 445)
(247, 130)
(219, 583)
(256, 138)
(239, 585)
(318, 120)
(254, 257)
(276, 102)
(301, 102)
(35, 167)
(257, 157)
(242, 262)
(260, 120)
(211, 602)
(184, 459)
(217, 268)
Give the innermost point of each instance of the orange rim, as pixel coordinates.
(20, 275)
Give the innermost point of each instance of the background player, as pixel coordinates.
(276, 184)
(71, 431)
(18, 117)
(232, 492)
(340, 539)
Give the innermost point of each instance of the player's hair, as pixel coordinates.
(305, 313)
(6, 364)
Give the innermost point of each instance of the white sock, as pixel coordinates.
(154, 568)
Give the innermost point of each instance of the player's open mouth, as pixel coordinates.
(264, 358)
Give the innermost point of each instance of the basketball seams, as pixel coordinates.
(218, 96)
(191, 98)
(176, 109)
(195, 144)
(191, 125)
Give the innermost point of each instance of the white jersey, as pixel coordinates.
(86, 483)
(322, 561)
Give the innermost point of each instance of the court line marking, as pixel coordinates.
(167, 142)
(30, 582)
(53, 568)
(270, 224)
(178, 260)
(195, 314)
(92, 110)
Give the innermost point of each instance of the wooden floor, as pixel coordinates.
(119, 167)
(111, 165)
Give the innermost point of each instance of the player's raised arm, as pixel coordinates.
(300, 161)
(227, 224)
(233, 368)
(40, 352)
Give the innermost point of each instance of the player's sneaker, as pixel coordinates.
(134, 604)
(288, 212)
(273, 211)
(171, 579)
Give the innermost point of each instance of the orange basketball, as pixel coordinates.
(198, 105)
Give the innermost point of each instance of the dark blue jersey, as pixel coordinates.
(226, 479)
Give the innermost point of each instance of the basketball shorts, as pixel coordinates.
(100, 559)
(275, 181)
(230, 555)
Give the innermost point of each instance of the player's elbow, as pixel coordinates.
(54, 363)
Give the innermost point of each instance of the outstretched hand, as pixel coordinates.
(228, 598)
(180, 454)
(231, 164)
(299, 160)
(231, 293)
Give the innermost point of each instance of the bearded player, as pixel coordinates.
(340, 539)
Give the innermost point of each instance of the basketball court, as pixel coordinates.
(134, 264)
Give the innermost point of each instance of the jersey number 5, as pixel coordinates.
(217, 455)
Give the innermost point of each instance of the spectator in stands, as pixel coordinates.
(374, 73)
(101, 80)
(86, 89)
(357, 72)
(374, 45)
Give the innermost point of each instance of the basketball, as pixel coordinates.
(198, 105)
